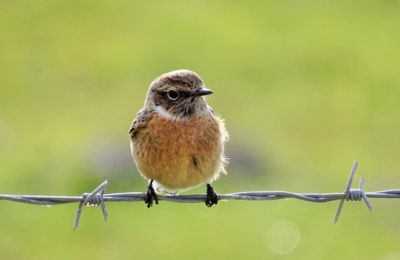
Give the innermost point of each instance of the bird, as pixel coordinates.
(177, 141)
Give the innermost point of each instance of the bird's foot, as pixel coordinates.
(150, 195)
(212, 197)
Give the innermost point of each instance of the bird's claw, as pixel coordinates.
(212, 197)
(150, 196)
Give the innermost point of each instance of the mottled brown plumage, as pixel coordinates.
(176, 140)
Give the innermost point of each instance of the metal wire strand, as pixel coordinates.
(98, 197)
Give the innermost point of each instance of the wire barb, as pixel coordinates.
(94, 198)
(353, 194)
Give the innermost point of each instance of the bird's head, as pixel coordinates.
(178, 94)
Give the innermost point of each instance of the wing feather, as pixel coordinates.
(140, 122)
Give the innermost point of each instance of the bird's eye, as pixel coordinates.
(173, 95)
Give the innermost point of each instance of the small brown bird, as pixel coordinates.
(176, 140)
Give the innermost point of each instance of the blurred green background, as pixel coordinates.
(305, 87)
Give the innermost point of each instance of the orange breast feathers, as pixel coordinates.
(179, 154)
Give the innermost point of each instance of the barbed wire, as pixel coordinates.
(98, 197)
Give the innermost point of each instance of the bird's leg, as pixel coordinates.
(212, 197)
(150, 195)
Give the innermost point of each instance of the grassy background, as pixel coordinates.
(305, 87)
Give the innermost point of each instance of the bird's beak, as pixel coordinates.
(203, 92)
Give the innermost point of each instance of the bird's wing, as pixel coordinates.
(140, 122)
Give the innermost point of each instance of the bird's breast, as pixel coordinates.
(180, 153)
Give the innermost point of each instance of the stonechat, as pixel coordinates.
(177, 142)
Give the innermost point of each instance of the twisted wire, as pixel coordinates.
(98, 197)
